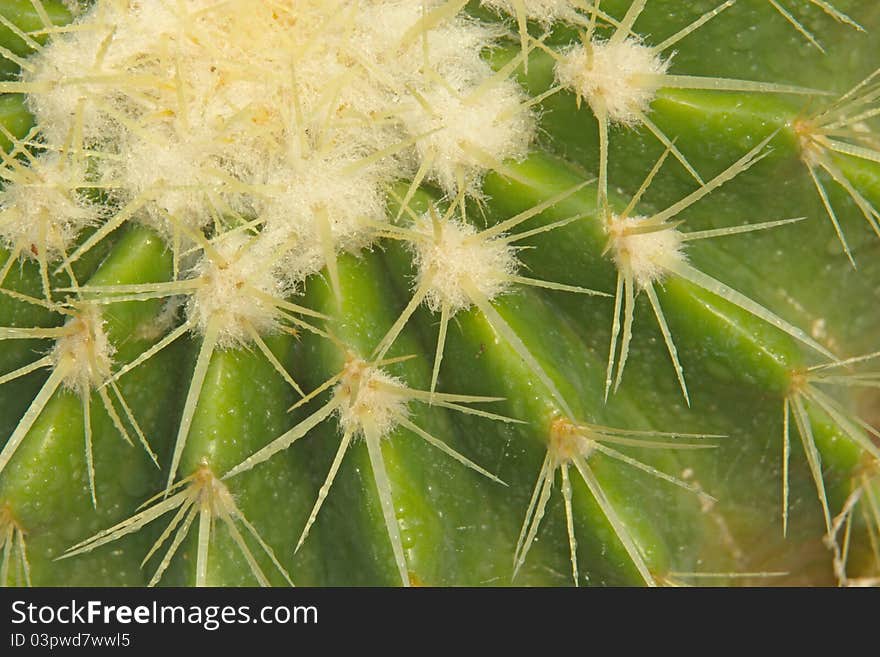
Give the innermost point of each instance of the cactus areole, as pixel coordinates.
(407, 292)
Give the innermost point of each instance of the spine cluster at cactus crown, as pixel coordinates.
(312, 189)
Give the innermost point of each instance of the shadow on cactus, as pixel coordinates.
(337, 294)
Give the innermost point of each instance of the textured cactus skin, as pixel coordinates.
(458, 527)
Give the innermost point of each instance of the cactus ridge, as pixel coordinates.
(359, 224)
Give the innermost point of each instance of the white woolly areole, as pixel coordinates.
(647, 255)
(43, 209)
(229, 291)
(454, 45)
(55, 110)
(367, 394)
(453, 255)
(467, 134)
(328, 196)
(86, 350)
(294, 114)
(174, 176)
(606, 72)
(544, 12)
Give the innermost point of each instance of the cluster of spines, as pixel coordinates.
(239, 255)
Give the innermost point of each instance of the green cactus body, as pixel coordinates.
(535, 293)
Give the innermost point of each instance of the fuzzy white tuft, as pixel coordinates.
(368, 393)
(463, 135)
(42, 209)
(174, 177)
(231, 289)
(648, 256)
(295, 113)
(544, 12)
(452, 255)
(86, 349)
(606, 73)
(322, 196)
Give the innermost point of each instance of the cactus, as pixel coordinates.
(394, 292)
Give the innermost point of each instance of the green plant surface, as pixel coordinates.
(439, 294)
